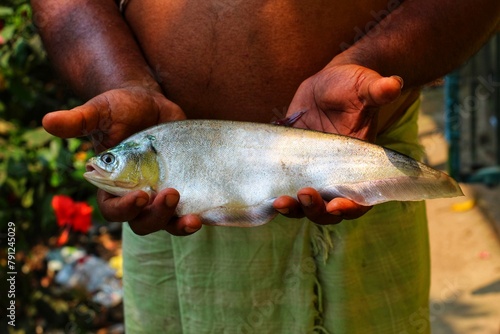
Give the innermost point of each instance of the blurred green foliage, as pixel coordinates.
(28, 86)
(34, 166)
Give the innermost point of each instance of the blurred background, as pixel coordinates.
(68, 259)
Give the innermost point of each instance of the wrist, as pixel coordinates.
(354, 57)
(147, 83)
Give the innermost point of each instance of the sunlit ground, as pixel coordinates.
(465, 247)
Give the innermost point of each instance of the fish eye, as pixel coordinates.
(108, 158)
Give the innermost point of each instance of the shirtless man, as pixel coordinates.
(342, 61)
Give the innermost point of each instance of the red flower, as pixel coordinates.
(63, 207)
(83, 217)
(71, 215)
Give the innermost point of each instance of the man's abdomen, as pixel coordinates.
(243, 60)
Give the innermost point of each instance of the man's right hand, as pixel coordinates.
(110, 118)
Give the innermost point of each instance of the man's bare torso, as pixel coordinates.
(244, 60)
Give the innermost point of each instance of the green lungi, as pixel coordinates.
(369, 275)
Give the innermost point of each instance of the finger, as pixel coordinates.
(119, 209)
(288, 206)
(382, 91)
(77, 122)
(346, 209)
(157, 214)
(184, 225)
(160, 214)
(314, 207)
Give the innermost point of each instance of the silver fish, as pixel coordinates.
(230, 172)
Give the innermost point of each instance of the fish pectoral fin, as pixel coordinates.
(240, 216)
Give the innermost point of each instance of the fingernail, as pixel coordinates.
(190, 230)
(283, 211)
(305, 200)
(171, 200)
(140, 201)
(398, 78)
(335, 213)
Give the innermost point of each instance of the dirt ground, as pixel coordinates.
(465, 243)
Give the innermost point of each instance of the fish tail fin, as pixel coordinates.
(403, 188)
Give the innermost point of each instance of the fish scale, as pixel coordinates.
(230, 172)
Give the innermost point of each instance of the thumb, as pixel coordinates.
(381, 91)
(77, 122)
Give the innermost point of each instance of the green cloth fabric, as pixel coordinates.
(369, 275)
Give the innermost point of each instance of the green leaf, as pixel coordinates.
(7, 32)
(36, 45)
(21, 52)
(2, 107)
(37, 137)
(74, 144)
(3, 173)
(47, 220)
(4, 60)
(16, 164)
(78, 174)
(55, 179)
(45, 155)
(27, 198)
(55, 146)
(17, 186)
(24, 10)
(6, 11)
(35, 167)
(5, 126)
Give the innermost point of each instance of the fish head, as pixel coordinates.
(132, 165)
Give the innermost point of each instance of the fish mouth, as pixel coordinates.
(94, 174)
(102, 179)
(89, 167)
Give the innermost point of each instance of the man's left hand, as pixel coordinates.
(342, 99)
